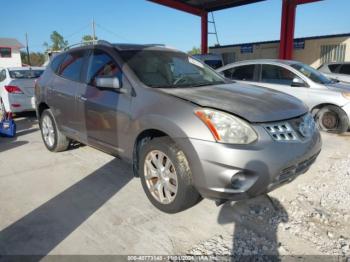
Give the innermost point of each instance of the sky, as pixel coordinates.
(140, 21)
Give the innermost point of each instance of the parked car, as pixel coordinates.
(187, 131)
(215, 61)
(17, 89)
(328, 100)
(338, 71)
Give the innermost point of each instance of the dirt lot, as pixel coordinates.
(86, 202)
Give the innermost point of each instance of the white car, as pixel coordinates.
(17, 89)
(328, 100)
(338, 71)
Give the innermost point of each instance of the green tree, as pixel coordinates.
(36, 58)
(88, 38)
(58, 42)
(194, 51)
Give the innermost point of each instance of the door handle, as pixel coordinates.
(82, 98)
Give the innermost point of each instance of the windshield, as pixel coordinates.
(25, 74)
(313, 74)
(168, 69)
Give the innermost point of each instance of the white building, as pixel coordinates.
(10, 55)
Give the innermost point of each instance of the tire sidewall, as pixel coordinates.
(48, 113)
(164, 146)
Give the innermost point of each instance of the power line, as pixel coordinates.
(111, 32)
(77, 31)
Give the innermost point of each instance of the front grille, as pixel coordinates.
(282, 132)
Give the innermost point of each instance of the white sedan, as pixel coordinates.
(17, 89)
(329, 101)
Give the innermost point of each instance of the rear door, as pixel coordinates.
(63, 92)
(243, 73)
(104, 113)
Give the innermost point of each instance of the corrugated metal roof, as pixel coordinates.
(10, 42)
(215, 5)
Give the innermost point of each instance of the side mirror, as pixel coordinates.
(108, 82)
(297, 82)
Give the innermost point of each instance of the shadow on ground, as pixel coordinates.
(44, 228)
(255, 223)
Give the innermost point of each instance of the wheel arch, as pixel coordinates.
(318, 107)
(143, 137)
(41, 107)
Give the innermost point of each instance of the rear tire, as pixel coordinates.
(178, 175)
(53, 139)
(2, 110)
(332, 119)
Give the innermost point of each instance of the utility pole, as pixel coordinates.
(28, 50)
(93, 30)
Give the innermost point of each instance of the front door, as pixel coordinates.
(105, 112)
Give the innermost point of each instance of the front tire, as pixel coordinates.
(332, 119)
(166, 176)
(53, 139)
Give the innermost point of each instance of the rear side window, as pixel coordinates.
(333, 68)
(71, 65)
(101, 65)
(56, 62)
(276, 75)
(244, 73)
(345, 69)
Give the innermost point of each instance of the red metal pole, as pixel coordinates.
(290, 30)
(204, 32)
(283, 29)
(287, 29)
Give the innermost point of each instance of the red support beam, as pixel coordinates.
(179, 6)
(288, 26)
(204, 32)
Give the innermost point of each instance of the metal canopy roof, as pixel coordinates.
(215, 5)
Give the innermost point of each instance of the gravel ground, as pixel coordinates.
(309, 217)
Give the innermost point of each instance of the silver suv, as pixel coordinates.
(187, 131)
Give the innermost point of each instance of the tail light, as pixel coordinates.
(13, 90)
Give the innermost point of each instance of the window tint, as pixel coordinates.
(276, 75)
(5, 52)
(70, 68)
(245, 73)
(2, 75)
(101, 65)
(333, 67)
(345, 69)
(56, 62)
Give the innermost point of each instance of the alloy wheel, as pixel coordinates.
(160, 176)
(48, 131)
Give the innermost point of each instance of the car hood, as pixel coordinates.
(255, 104)
(339, 87)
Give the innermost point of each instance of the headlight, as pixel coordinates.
(227, 128)
(346, 95)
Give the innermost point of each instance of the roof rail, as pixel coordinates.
(90, 42)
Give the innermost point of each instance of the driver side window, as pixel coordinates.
(273, 74)
(101, 65)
